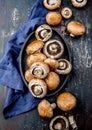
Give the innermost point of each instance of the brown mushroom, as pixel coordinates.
(59, 123)
(38, 88)
(45, 109)
(52, 80)
(53, 49)
(35, 58)
(76, 28)
(66, 101)
(43, 32)
(28, 76)
(39, 70)
(64, 67)
(34, 47)
(66, 13)
(53, 18)
(79, 3)
(52, 4)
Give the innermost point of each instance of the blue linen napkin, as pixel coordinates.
(18, 100)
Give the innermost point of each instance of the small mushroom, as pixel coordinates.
(52, 63)
(59, 123)
(39, 70)
(38, 88)
(53, 18)
(76, 28)
(53, 49)
(43, 32)
(52, 4)
(45, 109)
(66, 13)
(34, 47)
(64, 67)
(79, 3)
(35, 58)
(66, 101)
(28, 76)
(52, 80)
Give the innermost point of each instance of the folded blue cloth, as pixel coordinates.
(18, 100)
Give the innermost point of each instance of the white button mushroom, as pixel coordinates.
(79, 3)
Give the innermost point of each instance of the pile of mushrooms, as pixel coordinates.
(44, 62)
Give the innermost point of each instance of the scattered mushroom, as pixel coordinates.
(79, 3)
(52, 80)
(59, 123)
(35, 58)
(52, 4)
(66, 13)
(38, 88)
(39, 70)
(45, 109)
(64, 67)
(28, 76)
(76, 28)
(53, 49)
(34, 47)
(43, 32)
(53, 18)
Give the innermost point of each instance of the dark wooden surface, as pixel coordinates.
(13, 14)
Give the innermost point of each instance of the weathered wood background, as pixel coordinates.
(13, 14)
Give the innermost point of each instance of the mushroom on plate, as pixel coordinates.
(28, 76)
(38, 88)
(64, 67)
(45, 109)
(76, 28)
(39, 70)
(66, 13)
(34, 47)
(79, 3)
(52, 81)
(43, 32)
(52, 4)
(59, 123)
(53, 49)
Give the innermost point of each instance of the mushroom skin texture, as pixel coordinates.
(66, 101)
(66, 13)
(45, 109)
(53, 49)
(39, 70)
(64, 67)
(52, 4)
(28, 76)
(53, 18)
(34, 47)
(59, 123)
(38, 88)
(79, 3)
(52, 63)
(76, 28)
(52, 81)
(43, 32)
(35, 58)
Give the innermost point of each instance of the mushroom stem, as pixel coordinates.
(73, 122)
(53, 105)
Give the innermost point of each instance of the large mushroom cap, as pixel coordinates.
(45, 109)
(79, 3)
(66, 101)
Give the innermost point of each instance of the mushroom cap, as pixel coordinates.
(52, 80)
(38, 88)
(66, 13)
(76, 28)
(45, 109)
(64, 67)
(35, 58)
(52, 4)
(79, 3)
(28, 76)
(43, 32)
(39, 70)
(59, 123)
(53, 18)
(66, 101)
(34, 46)
(53, 49)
